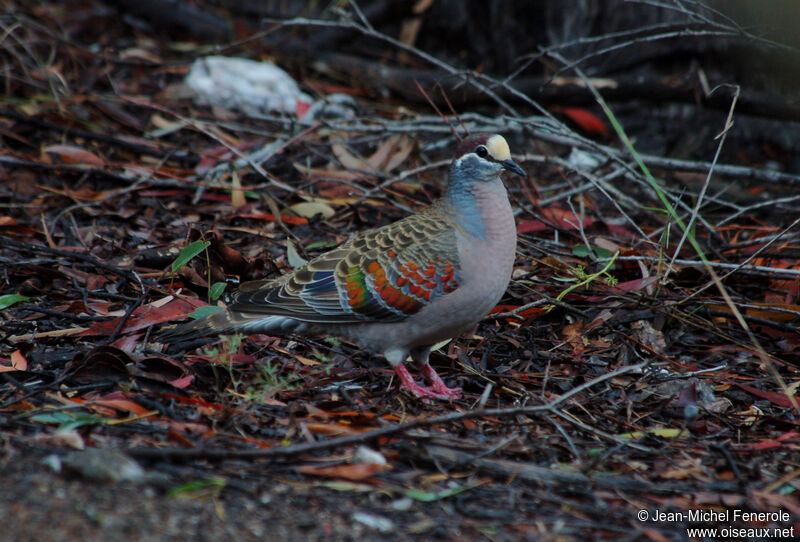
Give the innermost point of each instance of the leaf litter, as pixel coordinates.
(612, 377)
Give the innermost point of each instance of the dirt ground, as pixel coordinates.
(638, 379)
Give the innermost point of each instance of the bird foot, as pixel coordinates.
(437, 390)
(437, 384)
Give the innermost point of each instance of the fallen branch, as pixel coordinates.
(560, 478)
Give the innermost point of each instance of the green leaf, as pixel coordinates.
(582, 251)
(216, 290)
(337, 485)
(52, 417)
(214, 484)
(602, 252)
(67, 420)
(321, 244)
(202, 312)
(10, 299)
(83, 419)
(663, 432)
(431, 496)
(189, 251)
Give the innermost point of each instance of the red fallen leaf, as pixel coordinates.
(18, 363)
(780, 399)
(527, 313)
(359, 471)
(19, 230)
(146, 316)
(301, 108)
(122, 404)
(254, 442)
(128, 343)
(531, 225)
(218, 197)
(338, 429)
(174, 436)
(75, 155)
(193, 401)
(269, 217)
(335, 190)
(565, 218)
(183, 382)
(584, 119)
(90, 280)
(74, 307)
(633, 285)
(773, 443)
(232, 260)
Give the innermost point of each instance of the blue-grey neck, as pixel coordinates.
(465, 174)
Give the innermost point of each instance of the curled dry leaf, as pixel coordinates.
(71, 154)
(358, 471)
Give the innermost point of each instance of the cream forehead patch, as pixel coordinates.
(498, 148)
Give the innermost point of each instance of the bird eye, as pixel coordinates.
(482, 151)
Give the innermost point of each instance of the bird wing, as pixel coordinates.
(384, 275)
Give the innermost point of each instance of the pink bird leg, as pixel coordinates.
(437, 390)
(437, 384)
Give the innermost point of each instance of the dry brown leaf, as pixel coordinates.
(309, 209)
(349, 160)
(238, 198)
(43, 334)
(359, 471)
(404, 147)
(72, 154)
(18, 363)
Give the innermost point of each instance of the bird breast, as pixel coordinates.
(487, 263)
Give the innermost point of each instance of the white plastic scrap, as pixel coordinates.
(368, 455)
(379, 523)
(246, 85)
(584, 160)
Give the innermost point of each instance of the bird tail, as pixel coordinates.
(225, 321)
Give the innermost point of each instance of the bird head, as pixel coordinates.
(482, 158)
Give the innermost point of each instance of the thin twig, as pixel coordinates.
(717, 265)
(704, 189)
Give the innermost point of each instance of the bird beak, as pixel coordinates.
(511, 165)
